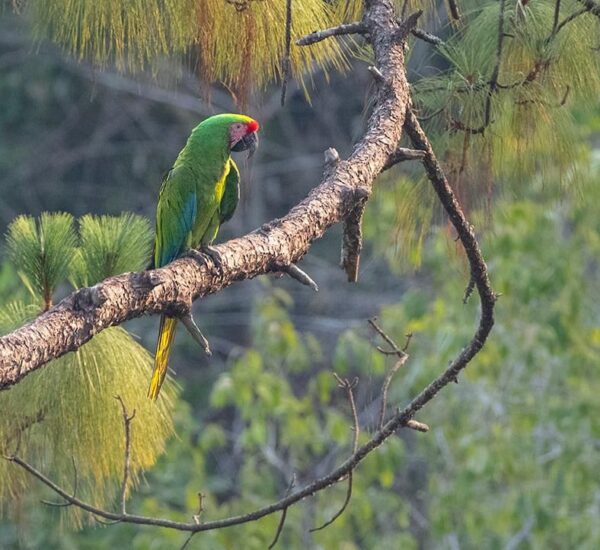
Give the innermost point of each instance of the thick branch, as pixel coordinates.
(403, 417)
(75, 320)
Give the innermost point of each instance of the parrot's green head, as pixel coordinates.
(236, 132)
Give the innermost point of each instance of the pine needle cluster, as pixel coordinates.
(65, 416)
(243, 48)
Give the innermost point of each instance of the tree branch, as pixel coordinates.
(427, 37)
(76, 319)
(347, 28)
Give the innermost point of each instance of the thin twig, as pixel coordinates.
(357, 27)
(348, 386)
(454, 11)
(342, 508)
(283, 515)
(75, 486)
(402, 358)
(570, 18)
(127, 459)
(427, 37)
(496, 70)
(296, 273)
(191, 326)
(556, 16)
(279, 528)
(402, 154)
(287, 66)
(196, 518)
(386, 337)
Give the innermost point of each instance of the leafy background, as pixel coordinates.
(512, 458)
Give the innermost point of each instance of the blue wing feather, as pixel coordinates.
(175, 217)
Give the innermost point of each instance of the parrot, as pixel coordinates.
(198, 194)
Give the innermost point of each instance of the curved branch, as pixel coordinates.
(75, 320)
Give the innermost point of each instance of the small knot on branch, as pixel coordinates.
(332, 157)
(146, 279)
(377, 75)
(89, 298)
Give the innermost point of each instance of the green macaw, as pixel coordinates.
(197, 195)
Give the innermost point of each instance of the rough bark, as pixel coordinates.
(76, 319)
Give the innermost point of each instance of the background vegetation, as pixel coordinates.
(513, 454)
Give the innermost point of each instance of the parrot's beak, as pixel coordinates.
(248, 143)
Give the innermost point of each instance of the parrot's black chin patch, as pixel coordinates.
(248, 143)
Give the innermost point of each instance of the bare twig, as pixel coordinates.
(402, 358)
(288, 48)
(279, 528)
(188, 322)
(591, 6)
(347, 28)
(352, 242)
(127, 459)
(403, 154)
(496, 71)
(454, 11)
(395, 349)
(302, 277)
(570, 18)
(556, 16)
(283, 515)
(427, 37)
(196, 518)
(75, 486)
(348, 386)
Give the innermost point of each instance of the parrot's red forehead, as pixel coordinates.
(252, 126)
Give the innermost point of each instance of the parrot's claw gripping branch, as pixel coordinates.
(212, 253)
(188, 322)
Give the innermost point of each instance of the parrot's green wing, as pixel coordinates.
(231, 193)
(175, 215)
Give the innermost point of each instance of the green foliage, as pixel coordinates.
(42, 252)
(542, 76)
(65, 415)
(406, 206)
(512, 447)
(110, 246)
(513, 443)
(242, 48)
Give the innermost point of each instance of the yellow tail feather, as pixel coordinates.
(166, 335)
